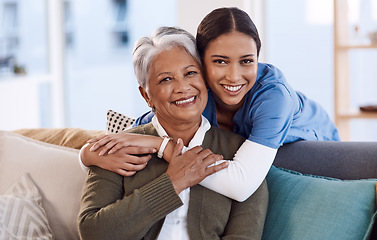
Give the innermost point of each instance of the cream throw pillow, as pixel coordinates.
(56, 172)
(117, 122)
(21, 213)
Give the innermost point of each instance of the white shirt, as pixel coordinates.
(175, 224)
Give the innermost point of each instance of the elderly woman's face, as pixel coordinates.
(175, 86)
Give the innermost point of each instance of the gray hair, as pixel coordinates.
(164, 38)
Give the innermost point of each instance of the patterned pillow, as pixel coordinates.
(117, 122)
(21, 213)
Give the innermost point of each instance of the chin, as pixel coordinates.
(232, 101)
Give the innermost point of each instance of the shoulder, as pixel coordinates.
(269, 70)
(270, 97)
(271, 85)
(144, 119)
(146, 129)
(223, 142)
(224, 134)
(270, 76)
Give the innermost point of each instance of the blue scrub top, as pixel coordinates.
(273, 113)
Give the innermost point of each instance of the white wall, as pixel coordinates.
(190, 15)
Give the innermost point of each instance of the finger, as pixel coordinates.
(212, 158)
(178, 148)
(136, 160)
(95, 139)
(196, 149)
(107, 147)
(216, 168)
(129, 173)
(205, 153)
(125, 173)
(134, 167)
(115, 148)
(99, 144)
(138, 150)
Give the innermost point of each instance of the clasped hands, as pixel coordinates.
(127, 153)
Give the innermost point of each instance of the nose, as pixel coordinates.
(234, 73)
(182, 85)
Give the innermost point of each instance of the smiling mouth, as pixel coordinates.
(232, 88)
(185, 101)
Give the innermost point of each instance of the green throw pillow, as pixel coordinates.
(313, 207)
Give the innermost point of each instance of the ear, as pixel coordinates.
(144, 94)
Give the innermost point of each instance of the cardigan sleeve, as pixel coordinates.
(107, 213)
(246, 219)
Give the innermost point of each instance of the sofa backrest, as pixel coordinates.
(343, 160)
(56, 172)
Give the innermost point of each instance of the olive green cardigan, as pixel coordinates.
(116, 207)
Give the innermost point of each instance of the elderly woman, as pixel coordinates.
(163, 201)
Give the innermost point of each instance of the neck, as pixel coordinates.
(180, 129)
(225, 113)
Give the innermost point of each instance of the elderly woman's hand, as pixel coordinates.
(188, 169)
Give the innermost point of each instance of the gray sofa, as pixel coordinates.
(343, 160)
(50, 166)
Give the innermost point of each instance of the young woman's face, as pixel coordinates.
(231, 65)
(175, 87)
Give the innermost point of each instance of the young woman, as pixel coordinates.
(249, 98)
(162, 201)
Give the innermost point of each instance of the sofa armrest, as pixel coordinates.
(343, 160)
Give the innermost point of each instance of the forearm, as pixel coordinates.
(244, 174)
(89, 158)
(107, 214)
(84, 162)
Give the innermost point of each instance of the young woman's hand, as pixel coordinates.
(188, 169)
(124, 161)
(137, 143)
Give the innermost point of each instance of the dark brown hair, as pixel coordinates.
(222, 21)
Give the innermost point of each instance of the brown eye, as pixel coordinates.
(190, 73)
(219, 61)
(247, 61)
(165, 79)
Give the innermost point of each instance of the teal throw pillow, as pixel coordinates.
(306, 207)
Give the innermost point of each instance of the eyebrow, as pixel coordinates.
(192, 65)
(162, 73)
(221, 56)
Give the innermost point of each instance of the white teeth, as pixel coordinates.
(184, 101)
(232, 88)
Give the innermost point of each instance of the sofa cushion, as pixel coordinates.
(56, 172)
(21, 212)
(312, 207)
